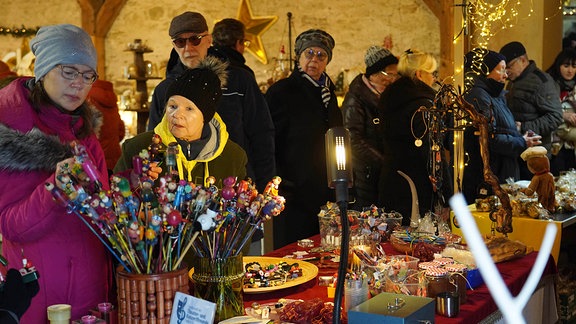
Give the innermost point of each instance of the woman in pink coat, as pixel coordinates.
(39, 118)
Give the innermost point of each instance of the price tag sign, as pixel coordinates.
(191, 310)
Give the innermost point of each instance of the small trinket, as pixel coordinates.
(418, 142)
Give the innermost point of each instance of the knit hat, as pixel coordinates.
(512, 50)
(314, 38)
(482, 61)
(61, 44)
(377, 58)
(188, 22)
(202, 85)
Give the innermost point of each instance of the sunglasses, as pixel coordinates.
(310, 53)
(194, 40)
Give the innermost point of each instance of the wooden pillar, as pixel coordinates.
(97, 19)
(444, 11)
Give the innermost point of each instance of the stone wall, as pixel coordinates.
(354, 25)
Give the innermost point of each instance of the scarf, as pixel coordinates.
(323, 82)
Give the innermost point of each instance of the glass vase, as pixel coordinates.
(220, 280)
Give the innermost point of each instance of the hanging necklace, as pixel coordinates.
(418, 140)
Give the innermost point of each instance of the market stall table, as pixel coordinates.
(479, 306)
(529, 231)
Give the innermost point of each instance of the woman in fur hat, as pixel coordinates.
(303, 107)
(39, 118)
(191, 121)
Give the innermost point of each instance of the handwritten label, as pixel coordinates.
(191, 310)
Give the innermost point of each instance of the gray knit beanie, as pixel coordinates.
(314, 38)
(62, 44)
(377, 58)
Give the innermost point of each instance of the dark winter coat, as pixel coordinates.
(360, 112)
(400, 125)
(232, 56)
(505, 142)
(242, 108)
(73, 264)
(534, 100)
(301, 121)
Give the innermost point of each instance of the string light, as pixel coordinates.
(18, 32)
(488, 17)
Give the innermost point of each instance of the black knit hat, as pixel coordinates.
(201, 85)
(188, 22)
(314, 38)
(377, 58)
(512, 50)
(482, 61)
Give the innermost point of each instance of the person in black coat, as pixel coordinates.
(243, 106)
(487, 70)
(303, 108)
(405, 140)
(360, 111)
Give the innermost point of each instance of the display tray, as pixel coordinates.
(309, 272)
(272, 307)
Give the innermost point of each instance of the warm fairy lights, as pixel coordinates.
(488, 17)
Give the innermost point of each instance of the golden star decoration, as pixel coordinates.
(255, 27)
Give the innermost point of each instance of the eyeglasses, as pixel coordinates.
(321, 55)
(70, 73)
(194, 40)
(511, 63)
(392, 75)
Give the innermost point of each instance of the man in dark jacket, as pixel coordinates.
(534, 98)
(242, 107)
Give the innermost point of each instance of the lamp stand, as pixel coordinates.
(341, 189)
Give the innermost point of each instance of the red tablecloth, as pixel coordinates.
(479, 303)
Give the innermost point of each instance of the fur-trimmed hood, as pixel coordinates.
(35, 150)
(32, 151)
(23, 145)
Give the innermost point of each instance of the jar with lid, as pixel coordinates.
(457, 273)
(438, 281)
(427, 265)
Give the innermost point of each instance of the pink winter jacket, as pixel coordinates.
(73, 265)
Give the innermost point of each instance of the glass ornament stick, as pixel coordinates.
(197, 228)
(61, 198)
(510, 307)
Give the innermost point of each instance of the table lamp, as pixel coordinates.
(339, 172)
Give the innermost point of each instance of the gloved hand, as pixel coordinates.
(17, 295)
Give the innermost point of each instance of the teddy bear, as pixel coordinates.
(543, 181)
